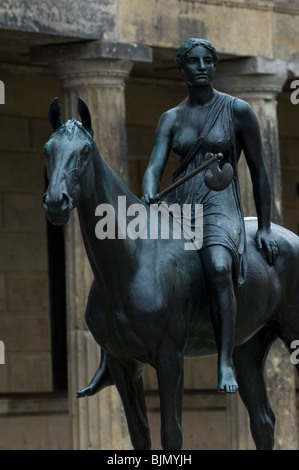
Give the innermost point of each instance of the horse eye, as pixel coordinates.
(86, 151)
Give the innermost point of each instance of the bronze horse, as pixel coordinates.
(148, 304)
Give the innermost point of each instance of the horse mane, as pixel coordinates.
(69, 129)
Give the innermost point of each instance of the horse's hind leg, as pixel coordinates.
(249, 360)
(129, 383)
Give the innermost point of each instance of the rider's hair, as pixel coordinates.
(188, 45)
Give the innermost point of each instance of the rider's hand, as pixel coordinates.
(148, 198)
(265, 240)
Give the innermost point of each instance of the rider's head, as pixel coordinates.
(188, 45)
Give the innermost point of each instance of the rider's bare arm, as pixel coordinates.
(248, 130)
(159, 156)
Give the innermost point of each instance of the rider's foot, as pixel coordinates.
(101, 379)
(86, 392)
(226, 380)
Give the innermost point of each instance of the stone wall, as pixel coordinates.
(31, 417)
(24, 316)
(93, 20)
(243, 28)
(24, 306)
(35, 422)
(239, 27)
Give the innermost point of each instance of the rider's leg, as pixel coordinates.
(218, 269)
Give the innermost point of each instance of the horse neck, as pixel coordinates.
(108, 257)
(109, 186)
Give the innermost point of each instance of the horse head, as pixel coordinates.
(70, 152)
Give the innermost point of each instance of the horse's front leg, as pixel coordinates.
(170, 375)
(129, 384)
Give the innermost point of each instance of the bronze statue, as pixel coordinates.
(209, 121)
(149, 303)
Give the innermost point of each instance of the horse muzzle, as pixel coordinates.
(57, 207)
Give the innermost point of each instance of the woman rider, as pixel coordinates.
(210, 121)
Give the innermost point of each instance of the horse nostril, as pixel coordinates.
(64, 199)
(45, 199)
(57, 203)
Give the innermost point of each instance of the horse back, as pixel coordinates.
(268, 290)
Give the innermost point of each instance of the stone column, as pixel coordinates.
(96, 72)
(258, 81)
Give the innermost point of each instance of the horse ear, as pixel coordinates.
(84, 114)
(55, 115)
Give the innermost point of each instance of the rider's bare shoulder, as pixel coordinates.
(243, 114)
(171, 117)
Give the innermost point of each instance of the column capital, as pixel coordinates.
(92, 72)
(89, 50)
(255, 77)
(91, 63)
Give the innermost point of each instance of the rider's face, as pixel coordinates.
(199, 67)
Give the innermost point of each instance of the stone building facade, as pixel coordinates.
(119, 56)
